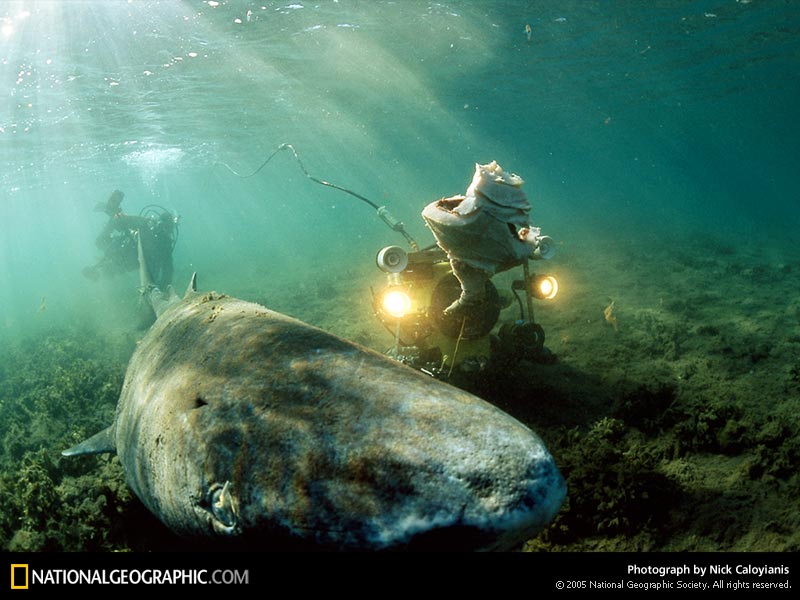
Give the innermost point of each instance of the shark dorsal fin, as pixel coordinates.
(192, 287)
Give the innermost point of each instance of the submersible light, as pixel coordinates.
(396, 303)
(545, 287)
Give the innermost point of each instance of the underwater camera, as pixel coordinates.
(412, 305)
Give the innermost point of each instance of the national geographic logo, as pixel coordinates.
(19, 577)
(22, 576)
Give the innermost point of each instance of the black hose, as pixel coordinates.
(381, 210)
(176, 229)
(150, 207)
(519, 301)
(305, 172)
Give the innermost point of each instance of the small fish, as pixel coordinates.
(528, 31)
(42, 305)
(610, 317)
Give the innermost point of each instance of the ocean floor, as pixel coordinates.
(671, 403)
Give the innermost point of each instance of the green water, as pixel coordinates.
(669, 115)
(644, 130)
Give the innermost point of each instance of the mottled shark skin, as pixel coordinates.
(236, 422)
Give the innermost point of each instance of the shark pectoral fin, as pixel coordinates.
(97, 444)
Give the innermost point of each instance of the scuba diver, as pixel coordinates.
(117, 240)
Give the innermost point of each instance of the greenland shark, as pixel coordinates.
(239, 423)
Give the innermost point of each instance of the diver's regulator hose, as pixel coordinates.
(382, 211)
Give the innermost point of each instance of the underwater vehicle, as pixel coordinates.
(440, 303)
(411, 305)
(247, 427)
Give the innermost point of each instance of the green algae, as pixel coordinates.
(702, 389)
(681, 432)
(615, 485)
(55, 390)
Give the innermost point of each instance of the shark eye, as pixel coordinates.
(222, 506)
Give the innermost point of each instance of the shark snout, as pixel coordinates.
(479, 498)
(510, 507)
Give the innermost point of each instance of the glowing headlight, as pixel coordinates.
(396, 303)
(545, 287)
